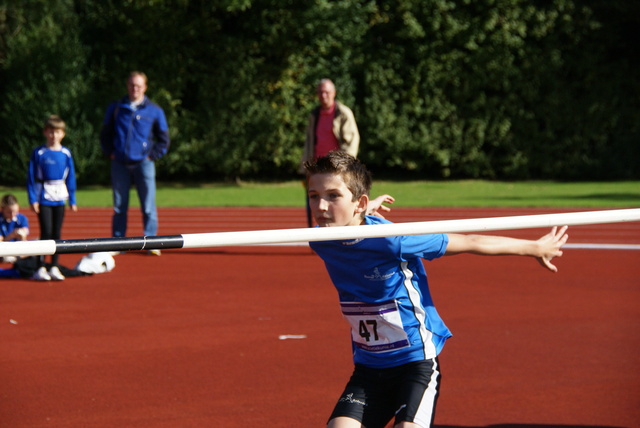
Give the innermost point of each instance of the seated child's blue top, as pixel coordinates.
(8, 226)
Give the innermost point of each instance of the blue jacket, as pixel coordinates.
(133, 134)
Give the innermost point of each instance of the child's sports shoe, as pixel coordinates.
(55, 274)
(41, 275)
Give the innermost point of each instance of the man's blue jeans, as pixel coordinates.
(143, 175)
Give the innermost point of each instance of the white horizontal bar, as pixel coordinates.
(199, 240)
(279, 236)
(28, 248)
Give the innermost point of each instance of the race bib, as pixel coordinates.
(375, 327)
(55, 190)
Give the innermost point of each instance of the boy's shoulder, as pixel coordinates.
(372, 219)
(43, 148)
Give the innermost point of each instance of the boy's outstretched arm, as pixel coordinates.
(543, 249)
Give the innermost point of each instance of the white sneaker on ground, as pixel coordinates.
(154, 252)
(55, 274)
(41, 275)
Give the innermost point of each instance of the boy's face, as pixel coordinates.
(54, 136)
(332, 202)
(10, 211)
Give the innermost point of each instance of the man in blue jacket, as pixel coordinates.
(134, 135)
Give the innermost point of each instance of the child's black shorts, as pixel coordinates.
(374, 396)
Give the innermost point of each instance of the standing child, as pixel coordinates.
(51, 181)
(396, 331)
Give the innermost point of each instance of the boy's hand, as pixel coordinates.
(550, 246)
(375, 205)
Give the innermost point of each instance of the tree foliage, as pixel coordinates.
(440, 88)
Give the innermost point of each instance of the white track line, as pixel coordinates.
(579, 246)
(602, 246)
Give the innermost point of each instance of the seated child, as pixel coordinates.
(14, 226)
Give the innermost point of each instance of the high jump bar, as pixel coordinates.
(282, 236)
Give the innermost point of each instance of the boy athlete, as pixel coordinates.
(397, 333)
(51, 182)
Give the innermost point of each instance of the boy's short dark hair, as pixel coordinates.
(8, 200)
(54, 122)
(354, 173)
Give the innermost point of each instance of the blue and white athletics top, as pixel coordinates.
(51, 177)
(384, 295)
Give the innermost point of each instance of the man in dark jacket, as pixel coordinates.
(134, 135)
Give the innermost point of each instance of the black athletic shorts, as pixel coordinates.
(375, 396)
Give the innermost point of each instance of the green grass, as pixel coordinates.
(478, 193)
(465, 193)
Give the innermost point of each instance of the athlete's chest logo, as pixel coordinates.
(377, 276)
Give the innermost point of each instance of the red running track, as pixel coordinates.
(191, 339)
